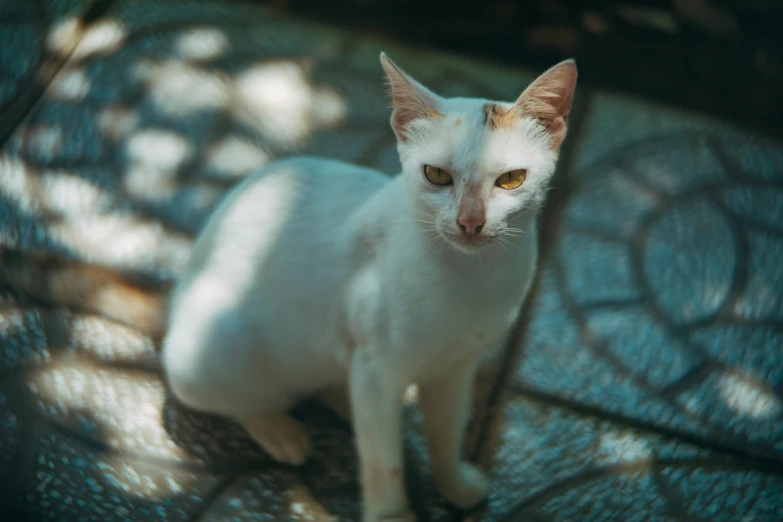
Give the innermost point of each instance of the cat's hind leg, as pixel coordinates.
(240, 383)
(282, 436)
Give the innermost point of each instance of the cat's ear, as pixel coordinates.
(410, 100)
(548, 99)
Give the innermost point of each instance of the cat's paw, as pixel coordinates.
(283, 437)
(402, 516)
(467, 488)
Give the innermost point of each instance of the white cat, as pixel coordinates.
(319, 277)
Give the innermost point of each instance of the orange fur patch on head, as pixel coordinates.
(496, 117)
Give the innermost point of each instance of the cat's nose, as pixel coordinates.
(470, 226)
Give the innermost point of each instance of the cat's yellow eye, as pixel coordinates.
(437, 176)
(512, 179)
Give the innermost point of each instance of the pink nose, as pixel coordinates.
(471, 225)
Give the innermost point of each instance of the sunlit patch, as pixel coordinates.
(277, 100)
(123, 240)
(179, 88)
(155, 155)
(70, 85)
(44, 141)
(133, 478)
(117, 122)
(149, 184)
(108, 341)
(124, 408)
(158, 148)
(203, 43)
(15, 185)
(10, 321)
(233, 157)
(102, 37)
(623, 447)
(67, 194)
(748, 397)
(63, 36)
(303, 506)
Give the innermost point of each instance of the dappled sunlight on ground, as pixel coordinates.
(749, 397)
(67, 196)
(117, 122)
(112, 407)
(234, 156)
(100, 38)
(624, 447)
(154, 156)
(208, 43)
(61, 37)
(71, 85)
(278, 101)
(123, 240)
(151, 121)
(179, 88)
(44, 141)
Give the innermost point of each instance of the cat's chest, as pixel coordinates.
(470, 312)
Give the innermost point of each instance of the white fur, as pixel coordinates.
(314, 275)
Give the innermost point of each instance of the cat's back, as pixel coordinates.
(278, 230)
(289, 192)
(298, 202)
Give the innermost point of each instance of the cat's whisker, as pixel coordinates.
(513, 232)
(505, 245)
(440, 245)
(427, 214)
(433, 238)
(415, 220)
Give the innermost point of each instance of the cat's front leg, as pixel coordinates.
(376, 402)
(445, 404)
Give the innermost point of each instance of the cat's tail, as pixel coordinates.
(85, 287)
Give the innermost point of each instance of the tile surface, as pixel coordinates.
(661, 300)
(653, 354)
(555, 464)
(36, 37)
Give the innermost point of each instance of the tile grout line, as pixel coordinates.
(598, 413)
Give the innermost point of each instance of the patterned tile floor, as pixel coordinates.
(646, 379)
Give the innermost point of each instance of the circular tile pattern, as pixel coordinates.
(667, 260)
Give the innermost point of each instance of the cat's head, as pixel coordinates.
(476, 168)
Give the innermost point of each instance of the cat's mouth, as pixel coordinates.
(467, 243)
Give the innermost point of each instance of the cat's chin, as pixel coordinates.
(468, 245)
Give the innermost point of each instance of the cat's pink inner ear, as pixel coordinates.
(548, 99)
(410, 100)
